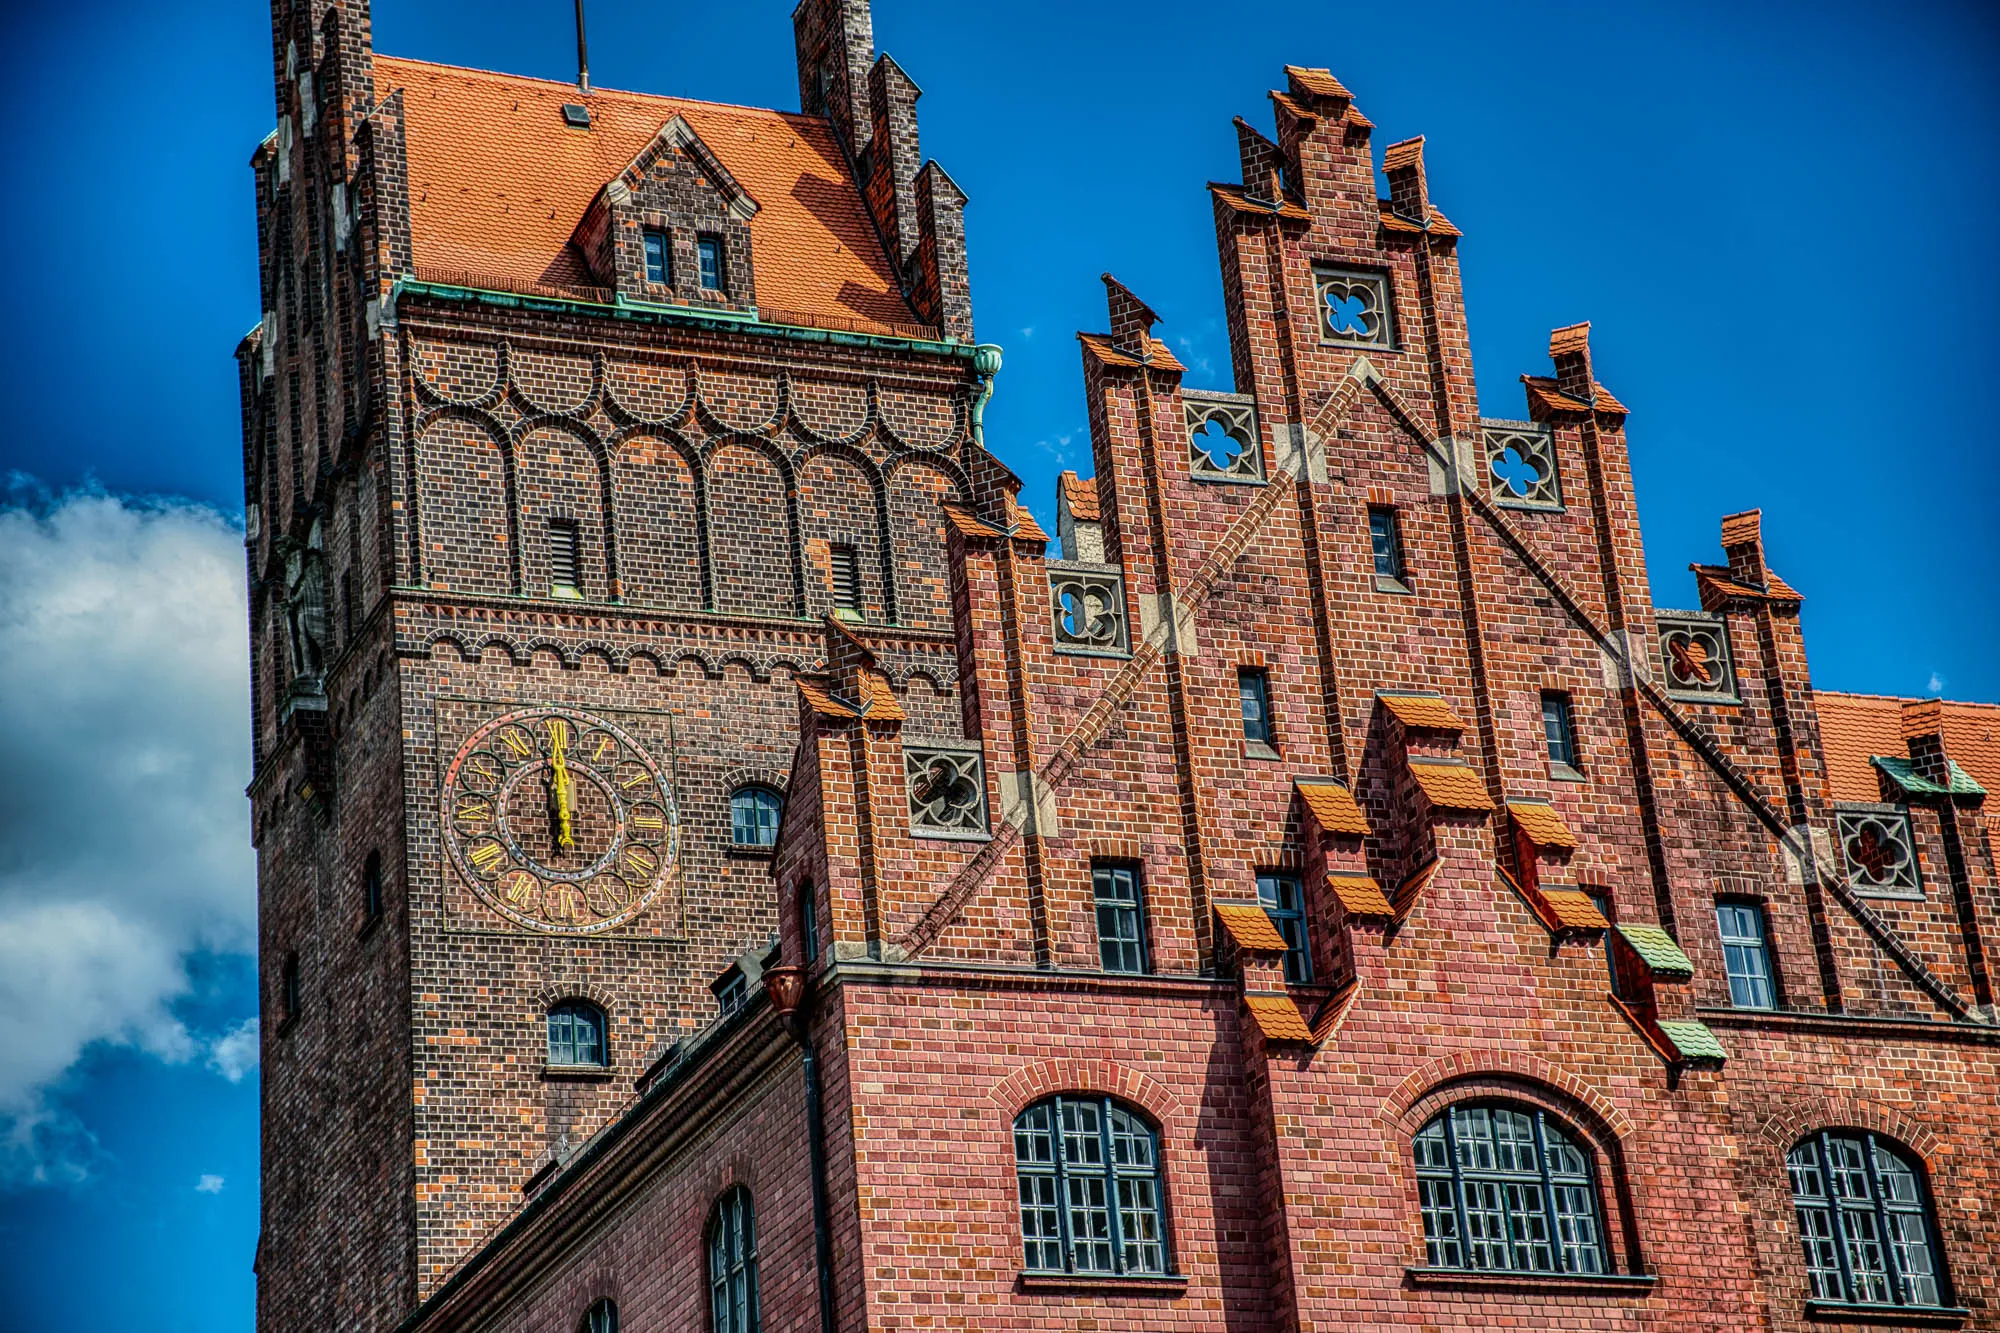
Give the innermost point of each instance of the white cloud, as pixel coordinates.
(234, 1053)
(124, 750)
(1936, 685)
(208, 1185)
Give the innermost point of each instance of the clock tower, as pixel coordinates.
(549, 503)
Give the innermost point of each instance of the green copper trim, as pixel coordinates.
(1904, 774)
(1661, 954)
(1692, 1039)
(719, 321)
(985, 364)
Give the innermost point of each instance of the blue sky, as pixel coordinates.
(1776, 217)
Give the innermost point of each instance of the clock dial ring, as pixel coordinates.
(510, 796)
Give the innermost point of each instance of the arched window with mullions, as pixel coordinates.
(753, 817)
(732, 1264)
(600, 1318)
(1507, 1187)
(1091, 1195)
(577, 1036)
(1865, 1220)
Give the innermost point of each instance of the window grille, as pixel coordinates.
(1507, 1189)
(732, 1264)
(1091, 1196)
(709, 248)
(563, 581)
(1089, 609)
(1879, 852)
(1121, 918)
(1521, 465)
(1865, 1221)
(753, 817)
(947, 787)
(1694, 651)
(1385, 542)
(1745, 957)
(1559, 731)
(1283, 897)
(1354, 307)
(845, 579)
(659, 259)
(576, 1034)
(1223, 442)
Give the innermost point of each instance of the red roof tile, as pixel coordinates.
(1239, 199)
(1426, 711)
(1333, 806)
(1855, 727)
(1318, 82)
(1279, 1017)
(1099, 345)
(1360, 895)
(1544, 827)
(498, 183)
(1080, 494)
(1451, 786)
(1250, 926)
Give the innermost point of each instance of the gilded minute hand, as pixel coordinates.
(559, 782)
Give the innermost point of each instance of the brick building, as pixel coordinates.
(720, 869)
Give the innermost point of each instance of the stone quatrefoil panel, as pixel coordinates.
(1694, 651)
(687, 485)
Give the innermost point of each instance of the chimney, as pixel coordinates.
(1410, 197)
(1923, 733)
(1569, 348)
(893, 156)
(1132, 320)
(836, 43)
(1743, 541)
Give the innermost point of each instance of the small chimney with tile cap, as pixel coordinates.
(1743, 542)
(1923, 733)
(1569, 348)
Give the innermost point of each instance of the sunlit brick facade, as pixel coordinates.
(1314, 889)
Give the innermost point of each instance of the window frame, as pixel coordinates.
(750, 792)
(805, 904)
(371, 887)
(1059, 1170)
(571, 1009)
(1385, 527)
(1730, 944)
(1132, 910)
(1298, 951)
(1256, 680)
(1454, 1175)
(731, 989)
(711, 263)
(665, 242)
(1559, 729)
(1838, 1210)
(735, 1203)
(601, 1317)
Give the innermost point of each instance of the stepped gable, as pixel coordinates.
(498, 183)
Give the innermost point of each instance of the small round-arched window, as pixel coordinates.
(1865, 1220)
(600, 1318)
(753, 817)
(576, 1035)
(732, 1264)
(1507, 1188)
(1091, 1197)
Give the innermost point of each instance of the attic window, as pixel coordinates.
(709, 248)
(576, 115)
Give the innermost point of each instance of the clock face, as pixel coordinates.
(559, 820)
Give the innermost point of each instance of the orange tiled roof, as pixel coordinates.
(1333, 806)
(1250, 926)
(1110, 353)
(1573, 908)
(1428, 711)
(1543, 392)
(823, 702)
(1318, 82)
(1855, 727)
(967, 523)
(1570, 338)
(1451, 785)
(1743, 528)
(1360, 895)
(1081, 497)
(498, 183)
(1718, 578)
(1280, 1017)
(1025, 526)
(1239, 199)
(1394, 221)
(1544, 827)
(878, 702)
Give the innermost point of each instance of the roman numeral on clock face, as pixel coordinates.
(640, 860)
(475, 812)
(558, 732)
(517, 741)
(648, 822)
(486, 857)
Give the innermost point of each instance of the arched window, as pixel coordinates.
(1091, 1197)
(1507, 1188)
(1854, 1191)
(732, 1264)
(600, 1318)
(576, 1034)
(753, 817)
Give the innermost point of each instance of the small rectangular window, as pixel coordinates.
(808, 923)
(563, 580)
(1602, 902)
(1121, 919)
(845, 578)
(371, 886)
(1253, 686)
(347, 605)
(731, 989)
(1745, 956)
(1284, 898)
(1559, 729)
(659, 259)
(710, 250)
(1385, 538)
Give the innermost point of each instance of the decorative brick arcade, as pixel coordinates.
(724, 865)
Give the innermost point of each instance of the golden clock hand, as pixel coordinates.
(560, 781)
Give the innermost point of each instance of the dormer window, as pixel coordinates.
(709, 248)
(659, 259)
